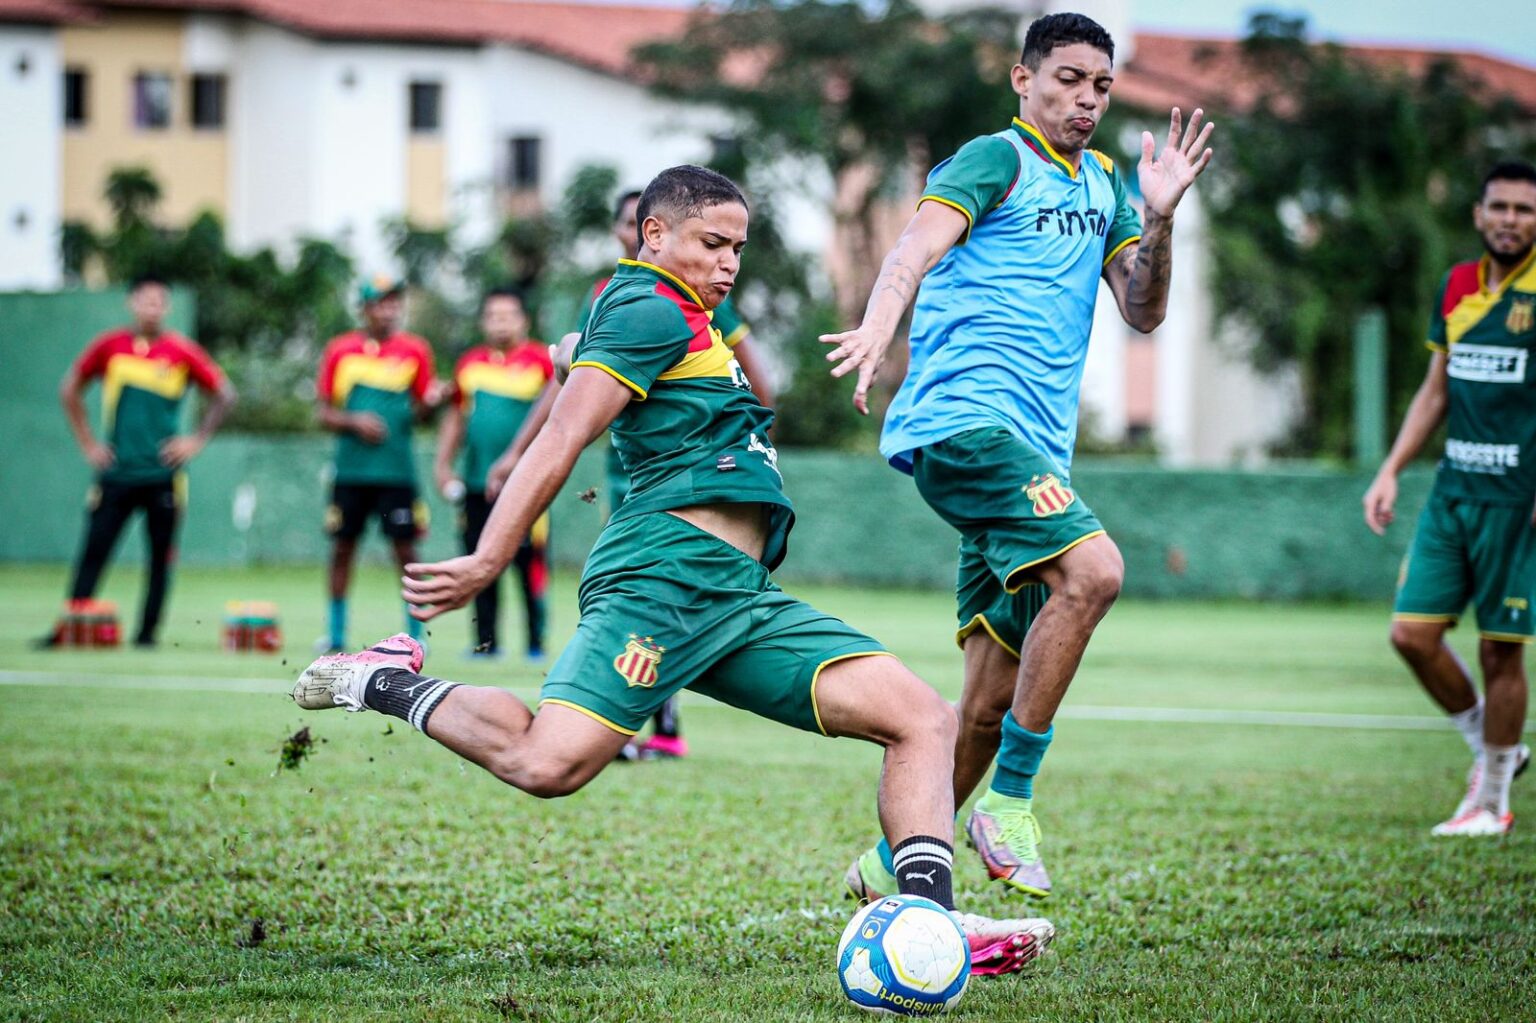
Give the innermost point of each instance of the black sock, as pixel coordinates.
(925, 866)
(406, 695)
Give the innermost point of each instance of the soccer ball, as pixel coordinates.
(903, 955)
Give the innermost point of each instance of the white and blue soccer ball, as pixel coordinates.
(904, 955)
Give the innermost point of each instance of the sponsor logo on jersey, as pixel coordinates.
(1522, 316)
(638, 663)
(1488, 364)
(1070, 222)
(1472, 456)
(1050, 495)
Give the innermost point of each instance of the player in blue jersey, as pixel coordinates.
(1009, 242)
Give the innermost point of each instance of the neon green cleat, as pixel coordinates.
(868, 880)
(1003, 830)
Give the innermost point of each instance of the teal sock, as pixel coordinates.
(338, 627)
(1018, 759)
(414, 627)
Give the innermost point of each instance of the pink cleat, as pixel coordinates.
(1004, 946)
(338, 680)
(664, 747)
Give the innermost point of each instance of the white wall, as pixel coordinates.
(31, 122)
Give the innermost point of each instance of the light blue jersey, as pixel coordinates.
(1000, 327)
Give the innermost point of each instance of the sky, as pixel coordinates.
(1495, 28)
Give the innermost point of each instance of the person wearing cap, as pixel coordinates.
(373, 385)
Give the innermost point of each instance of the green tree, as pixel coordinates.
(1345, 187)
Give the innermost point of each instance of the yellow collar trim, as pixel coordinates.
(1034, 133)
(1509, 278)
(692, 296)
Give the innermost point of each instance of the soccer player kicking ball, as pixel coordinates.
(1010, 239)
(1476, 538)
(676, 592)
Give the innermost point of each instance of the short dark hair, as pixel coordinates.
(145, 279)
(1507, 170)
(683, 192)
(503, 291)
(623, 200)
(1053, 30)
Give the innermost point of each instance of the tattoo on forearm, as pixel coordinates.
(1146, 296)
(897, 280)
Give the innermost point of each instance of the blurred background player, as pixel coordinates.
(1009, 242)
(494, 386)
(1476, 538)
(144, 372)
(666, 741)
(373, 385)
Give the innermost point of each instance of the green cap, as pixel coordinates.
(379, 286)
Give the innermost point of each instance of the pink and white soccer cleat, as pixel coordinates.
(338, 680)
(1004, 946)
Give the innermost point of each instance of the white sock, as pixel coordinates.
(1499, 764)
(1470, 724)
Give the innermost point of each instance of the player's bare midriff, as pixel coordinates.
(743, 526)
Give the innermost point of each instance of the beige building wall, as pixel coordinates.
(426, 182)
(191, 165)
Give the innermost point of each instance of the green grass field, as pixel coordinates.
(1205, 870)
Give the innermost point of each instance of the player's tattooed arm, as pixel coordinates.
(932, 232)
(1140, 275)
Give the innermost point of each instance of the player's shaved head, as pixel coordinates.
(1053, 30)
(678, 193)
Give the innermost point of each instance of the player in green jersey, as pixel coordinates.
(373, 385)
(666, 740)
(676, 593)
(145, 372)
(1476, 538)
(494, 386)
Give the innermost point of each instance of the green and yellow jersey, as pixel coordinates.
(727, 321)
(494, 390)
(143, 383)
(388, 378)
(1489, 337)
(694, 433)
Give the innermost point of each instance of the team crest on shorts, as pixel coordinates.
(639, 660)
(1051, 496)
(1522, 316)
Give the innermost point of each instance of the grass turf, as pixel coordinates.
(154, 863)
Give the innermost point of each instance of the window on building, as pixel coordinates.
(151, 100)
(523, 165)
(207, 96)
(76, 97)
(426, 107)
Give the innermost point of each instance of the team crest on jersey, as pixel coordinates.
(639, 661)
(1051, 496)
(1522, 316)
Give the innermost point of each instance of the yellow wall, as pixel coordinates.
(426, 184)
(192, 166)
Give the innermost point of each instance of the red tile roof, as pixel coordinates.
(1187, 71)
(43, 12)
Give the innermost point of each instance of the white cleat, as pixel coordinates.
(339, 680)
(1475, 782)
(1479, 822)
(1004, 946)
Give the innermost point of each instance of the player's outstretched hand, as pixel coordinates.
(176, 452)
(860, 350)
(1379, 501)
(1166, 176)
(442, 586)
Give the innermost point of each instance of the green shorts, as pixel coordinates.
(666, 606)
(1014, 510)
(1468, 552)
